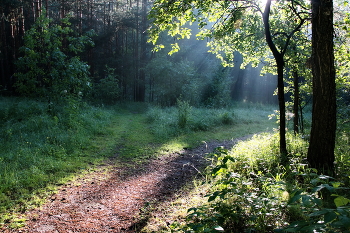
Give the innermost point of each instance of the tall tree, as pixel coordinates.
(323, 129)
(236, 26)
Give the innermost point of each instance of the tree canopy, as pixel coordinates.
(239, 26)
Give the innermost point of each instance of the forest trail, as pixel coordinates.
(114, 197)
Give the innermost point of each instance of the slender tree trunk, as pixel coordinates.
(137, 55)
(143, 57)
(280, 82)
(282, 107)
(3, 83)
(323, 128)
(296, 102)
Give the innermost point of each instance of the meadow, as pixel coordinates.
(245, 187)
(43, 146)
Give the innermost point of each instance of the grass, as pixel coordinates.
(39, 148)
(43, 146)
(247, 190)
(223, 124)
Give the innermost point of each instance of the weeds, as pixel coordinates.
(184, 110)
(40, 147)
(251, 192)
(184, 119)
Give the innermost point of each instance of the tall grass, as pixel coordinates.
(183, 119)
(39, 146)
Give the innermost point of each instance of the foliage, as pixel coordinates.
(107, 90)
(229, 23)
(184, 110)
(172, 79)
(50, 65)
(319, 217)
(218, 91)
(251, 192)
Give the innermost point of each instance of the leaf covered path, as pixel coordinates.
(114, 197)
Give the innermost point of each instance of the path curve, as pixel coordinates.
(112, 198)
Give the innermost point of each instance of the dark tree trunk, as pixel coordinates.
(280, 83)
(143, 57)
(323, 128)
(282, 107)
(296, 102)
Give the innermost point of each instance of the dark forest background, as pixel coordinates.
(121, 64)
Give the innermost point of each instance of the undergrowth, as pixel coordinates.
(183, 119)
(251, 192)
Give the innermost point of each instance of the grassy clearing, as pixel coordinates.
(39, 148)
(208, 124)
(44, 146)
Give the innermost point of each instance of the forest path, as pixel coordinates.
(113, 198)
(120, 194)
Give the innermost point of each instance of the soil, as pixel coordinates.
(114, 198)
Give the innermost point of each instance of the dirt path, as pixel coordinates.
(112, 198)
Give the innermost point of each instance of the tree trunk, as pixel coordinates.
(280, 83)
(143, 56)
(282, 107)
(323, 128)
(296, 102)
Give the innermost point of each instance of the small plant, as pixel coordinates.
(184, 110)
(249, 189)
(107, 90)
(227, 118)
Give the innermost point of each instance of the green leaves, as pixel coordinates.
(340, 200)
(48, 67)
(314, 205)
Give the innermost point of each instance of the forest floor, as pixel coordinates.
(120, 197)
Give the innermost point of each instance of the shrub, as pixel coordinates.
(46, 67)
(107, 90)
(227, 118)
(184, 110)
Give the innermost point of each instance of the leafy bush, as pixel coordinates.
(47, 67)
(184, 110)
(107, 90)
(314, 206)
(227, 118)
(251, 192)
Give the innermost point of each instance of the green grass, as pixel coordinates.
(42, 146)
(39, 148)
(210, 124)
(247, 189)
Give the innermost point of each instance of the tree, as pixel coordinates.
(49, 69)
(236, 26)
(323, 128)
